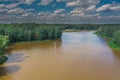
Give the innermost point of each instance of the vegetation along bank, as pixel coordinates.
(111, 33)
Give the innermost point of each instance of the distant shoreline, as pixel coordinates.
(75, 30)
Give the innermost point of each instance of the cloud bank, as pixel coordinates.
(59, 11)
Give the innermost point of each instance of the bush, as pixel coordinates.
(117, 37)
(3, 45)
(3, 59)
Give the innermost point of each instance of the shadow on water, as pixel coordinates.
(34, 45)
(4, 70)
(17, 57)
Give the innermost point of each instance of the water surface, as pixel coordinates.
(77, 56)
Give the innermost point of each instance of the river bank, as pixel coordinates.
(108, 41)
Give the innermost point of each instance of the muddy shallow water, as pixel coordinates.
(77, 56)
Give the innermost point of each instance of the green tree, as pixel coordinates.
(117, 37)
(3, 45)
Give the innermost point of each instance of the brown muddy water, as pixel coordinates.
(77, 56)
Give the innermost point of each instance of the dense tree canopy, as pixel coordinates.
(32, 31)
(111, 31)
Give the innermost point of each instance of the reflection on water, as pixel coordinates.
(78, 56)
(81, 38)
(36, 45)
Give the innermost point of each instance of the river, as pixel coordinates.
(77, 56)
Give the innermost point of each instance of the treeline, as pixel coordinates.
(112, 32)
(81, 26)
(32, 31)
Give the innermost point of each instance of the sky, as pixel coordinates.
(60, 11)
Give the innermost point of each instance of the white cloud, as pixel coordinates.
(42, 13)
(73, 3)
(25, 15)
(82, 14)
(83, 3)
(92, 7)
(28, 1)
(55, 14)
(115, 7)
(59, 11)
(21, 1)
(51, 16)
(93, 1)
(103, 8)
(60, 0)
(13, 5)
(45, 2)
(16, 11)
(2, 5)
(76, 11)
(65, 0)
(110, 7)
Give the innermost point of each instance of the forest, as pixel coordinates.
(111, 33)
